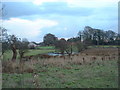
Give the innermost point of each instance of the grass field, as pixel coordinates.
(69, 76)
(46, 47)
(65, 73)
(8, 54)
(39, 50)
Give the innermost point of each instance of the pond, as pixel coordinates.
(55, 54)
(59, 54)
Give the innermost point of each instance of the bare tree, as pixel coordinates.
(62, 45)
(13, 40)
(81, 46)
(23, 47)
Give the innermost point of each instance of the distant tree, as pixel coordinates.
(62, 45)
(87, 33)
(74, 39)
(70, 46)
(92, 36)
(110, 36)
(81, 46)
(49, 39)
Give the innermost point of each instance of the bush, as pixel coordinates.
(81, 46)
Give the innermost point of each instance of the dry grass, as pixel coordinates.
(86, 68)
(86, 57)
(17, 67)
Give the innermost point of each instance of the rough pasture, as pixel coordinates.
(86, 56)
(91, 68)
(102, 51)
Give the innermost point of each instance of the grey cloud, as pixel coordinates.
(18, 9)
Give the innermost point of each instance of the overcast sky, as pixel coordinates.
(64, 18)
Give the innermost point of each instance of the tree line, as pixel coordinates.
(88, 36)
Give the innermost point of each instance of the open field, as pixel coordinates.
(8, 54)
(46, 47)
(92, 68)
(59, 44)
(67, 76)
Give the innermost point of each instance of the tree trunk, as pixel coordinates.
(71, 49)
(14, 52)
(21, 55)
(69, 53)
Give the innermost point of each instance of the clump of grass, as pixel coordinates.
(17, 67)
(9, 66)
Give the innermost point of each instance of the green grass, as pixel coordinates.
(104, 75)
(8, 54)
(35, 52)
(41, 50)
(46, 47)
